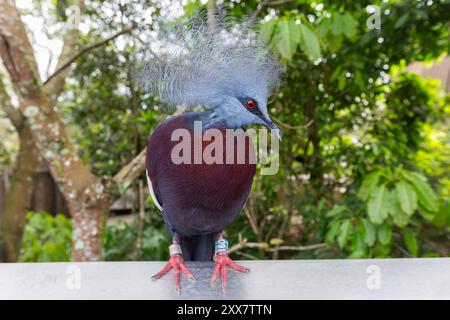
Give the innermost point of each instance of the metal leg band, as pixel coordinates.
(221, 246)
(174, 249)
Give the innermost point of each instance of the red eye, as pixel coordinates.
(251, 104)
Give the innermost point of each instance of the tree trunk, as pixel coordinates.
(87, 224)
(17, 199)
(87, 196)
(43, 190)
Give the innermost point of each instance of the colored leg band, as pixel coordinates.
(221, 246)
(174, 249)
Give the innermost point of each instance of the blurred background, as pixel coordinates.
(364, 109)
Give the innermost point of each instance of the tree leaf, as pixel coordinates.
(191, 8)
(335, 73)
(288, 37)
(378, 206)
(358, 244)
(359, 80)
(332, 231)
(268, 31)
(400, 218)
(336, 24)
(324, 25)
(442, 216)
(368, 185)
(334, 43)
(309, 42)
(336, 210)
(358, 254)
(406, 197)
(370, 235)
(342, 81)
(344, 232)
(349, 25)
(385, 233)
(425, 194)
(401, 21)
(428, 215)
(411, 242)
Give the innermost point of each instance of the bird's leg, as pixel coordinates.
(176, 263)
(222, 261)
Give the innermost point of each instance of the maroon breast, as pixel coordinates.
(199, 197)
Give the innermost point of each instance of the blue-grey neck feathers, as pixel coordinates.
(203, 66)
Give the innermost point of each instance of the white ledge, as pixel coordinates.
(288, 279)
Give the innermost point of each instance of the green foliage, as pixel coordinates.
(286, 36)
(292, 32)
(309, 43)
(369, 183)
(111, 118)
(411, 242)
(46, 238)
(334, 29)
(372, 127)
(377, 206)
(119, 242)
(394, 194)
(423, 191)
(392, 200)
(365, 153)
(406, 197)
(49, 238)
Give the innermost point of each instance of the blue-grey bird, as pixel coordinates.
(230, 75)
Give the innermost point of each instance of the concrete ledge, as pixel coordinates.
(290, 279)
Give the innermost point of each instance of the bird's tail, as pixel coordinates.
(198, 247)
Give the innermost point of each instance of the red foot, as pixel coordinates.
(177, 263)
(222, 261)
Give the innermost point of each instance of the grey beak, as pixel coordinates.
(272, 127)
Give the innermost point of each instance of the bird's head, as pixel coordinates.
(244, 110)
(228, 71)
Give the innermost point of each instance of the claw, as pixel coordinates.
(176, 263)
(216, 271)
(222, 261)
(187, 273)
(224, 279)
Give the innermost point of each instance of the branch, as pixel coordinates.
(16, 51)
(247, 255)
(245, 244)
(279, 3)
(48, 131)
(132, 170)
(251, 220)
(211, 8)
(55, 87)
(262, 5)
(264, 246)
(298, 248)
(258, 10)
(288, 126)
(84, 51)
